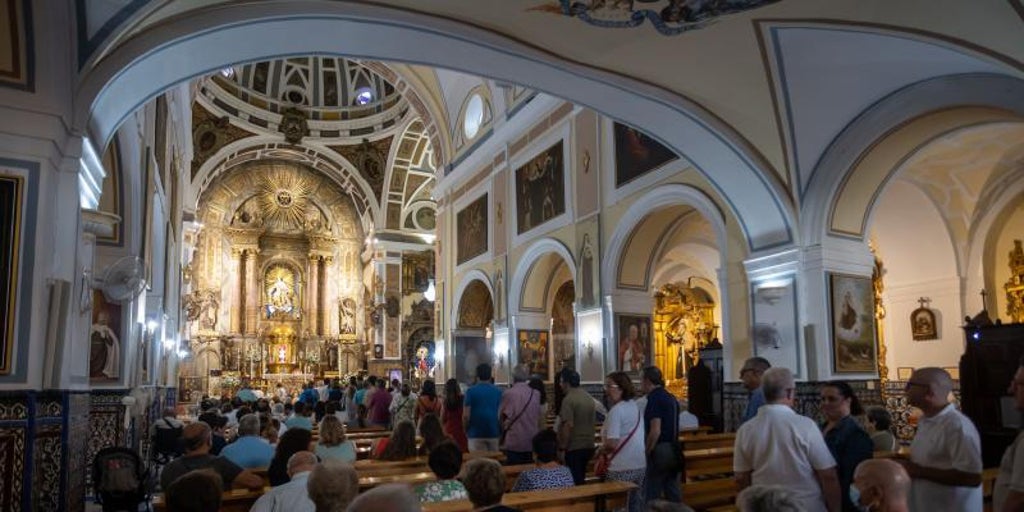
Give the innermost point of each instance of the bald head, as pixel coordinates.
(301, 461)
(937, 379)
(882, 482)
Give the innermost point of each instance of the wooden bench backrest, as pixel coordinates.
(581, 498)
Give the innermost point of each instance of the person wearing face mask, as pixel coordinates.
(846, 440)
(880, 485)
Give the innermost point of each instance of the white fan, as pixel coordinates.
(123, 280)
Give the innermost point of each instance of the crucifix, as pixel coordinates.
(984, 295)
(923, 301)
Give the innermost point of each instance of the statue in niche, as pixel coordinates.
(211, 310)
(347, 316)
(498, 281)
(280, 295)
(587, 272)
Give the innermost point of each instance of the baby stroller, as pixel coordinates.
(120, 480)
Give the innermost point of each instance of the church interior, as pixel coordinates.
(201, 194)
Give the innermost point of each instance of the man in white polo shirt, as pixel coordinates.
(945, 457)
(779, 447)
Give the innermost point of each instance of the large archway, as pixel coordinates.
(205, 40)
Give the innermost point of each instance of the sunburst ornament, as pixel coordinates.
(284, 196)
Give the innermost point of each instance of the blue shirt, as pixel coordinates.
(249, 452)
(247, 395)
(662, 405)
(755, 403)
(483, 399)
(299, 422)
(360, 396)
(310, 396)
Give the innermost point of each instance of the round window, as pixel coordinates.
(474, 117)
(364, 95)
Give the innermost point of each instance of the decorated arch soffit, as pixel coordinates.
(379, 151)
(276, 196)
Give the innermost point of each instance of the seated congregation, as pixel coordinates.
(518, 449)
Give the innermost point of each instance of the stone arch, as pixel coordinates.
(204, 40)
(657, 199)
(468, 280)
(525, 272)
(862, 160)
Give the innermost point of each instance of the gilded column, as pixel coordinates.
(252, 300)
(236, 289)
(321, 293)
(313, 293)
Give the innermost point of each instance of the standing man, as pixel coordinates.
(661, 428)
(780, 447)
(576, 433)
(520, 417)
(378, 405)
(945, 457)
(245, 392)
(480, 414)
(750, 375)
(1008, 494)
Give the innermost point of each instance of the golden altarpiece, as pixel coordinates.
(276, 282)
(684, 323)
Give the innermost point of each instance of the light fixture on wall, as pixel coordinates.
(431, 293)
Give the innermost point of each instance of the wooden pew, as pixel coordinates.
(708, 494)
(701, 464)
(699, 442)
(597, 497)
(403, 476)
(237, 500)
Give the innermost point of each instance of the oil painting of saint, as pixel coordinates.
(105, 340)
(533, 351)
(540, 189)
(471, 228)
(636, 154)
(634, 342)
(853, 324)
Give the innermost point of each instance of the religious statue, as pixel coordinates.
(280, 297)
(104, 349)
(347, 316)
(281, 354)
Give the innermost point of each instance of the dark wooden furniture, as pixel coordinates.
(991, 357)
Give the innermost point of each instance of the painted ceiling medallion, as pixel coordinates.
(669, 17)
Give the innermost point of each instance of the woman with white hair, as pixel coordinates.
(768, 498)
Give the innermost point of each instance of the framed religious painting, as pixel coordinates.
(775, 335)
(634, 348)
(105, 340)
(540, 188)
(471, 228)
(636, 154)
(853, 324)
(922, 324)
(533, 349)
(12, 193)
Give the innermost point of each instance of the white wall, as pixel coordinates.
(916, 251)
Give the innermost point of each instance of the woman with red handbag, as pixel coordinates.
(622, 439)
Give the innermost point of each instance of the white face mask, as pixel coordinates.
(855, 498)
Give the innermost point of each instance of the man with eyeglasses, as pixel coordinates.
(945, 457)
(1008, 493)
(750, 375)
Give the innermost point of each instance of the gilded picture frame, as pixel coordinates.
(853, 333)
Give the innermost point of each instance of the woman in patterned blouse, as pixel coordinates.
(548, 474)
(445, 461)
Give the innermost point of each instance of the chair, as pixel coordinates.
(120, 479)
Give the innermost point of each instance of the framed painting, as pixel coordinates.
(904, 373)
(775, 335)
(105, 340)
(634, 348)
(853, 324)
(12, 192)
(471, 229)
(533, 349)
(923, 325)
(470, 351)
(540, 189)
(637, 154)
